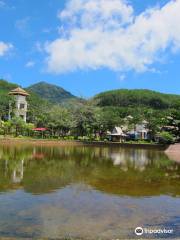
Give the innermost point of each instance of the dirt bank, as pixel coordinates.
(173, 152)
(79, 143)
(175, 148)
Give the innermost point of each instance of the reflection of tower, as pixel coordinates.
(18, 173)
(20, 103)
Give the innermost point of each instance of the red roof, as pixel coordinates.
(39, 129)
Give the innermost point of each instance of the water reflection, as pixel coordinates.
(86, 192)
(40, 169)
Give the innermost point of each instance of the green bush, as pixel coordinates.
(166, 137)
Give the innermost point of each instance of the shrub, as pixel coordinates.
(166, 137)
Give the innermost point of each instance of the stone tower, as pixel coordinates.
(20, 102)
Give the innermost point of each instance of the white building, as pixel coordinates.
(20, 103)
(117, 135)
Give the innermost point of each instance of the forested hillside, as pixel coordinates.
(5, 87)
(50, 92)
(157, 108)
(138, 98)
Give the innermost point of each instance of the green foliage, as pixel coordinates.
(166, 137)
(64, 115)
(5, 87)
(5, 127)
(51, 92)
(37, 109)
(18, 125)
(59, 120)
(142, 105)
(140, 98)
(84, 117)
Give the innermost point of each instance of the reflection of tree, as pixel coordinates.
(135, 158)
(132, 172)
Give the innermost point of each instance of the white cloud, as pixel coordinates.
(4, 48)
(39, 47)
(107, 33)
(22, 25)
(122, 77)
(30, 64)
(6, 5)
(94, 13)
(2, 4)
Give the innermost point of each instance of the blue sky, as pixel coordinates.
(64, 43)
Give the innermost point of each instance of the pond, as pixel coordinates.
(83, 192)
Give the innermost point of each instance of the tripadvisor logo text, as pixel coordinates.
(140, 231)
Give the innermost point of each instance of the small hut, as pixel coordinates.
(117, 135)
(40, 131)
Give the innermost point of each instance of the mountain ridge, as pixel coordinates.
(137, 97)
(51, 92)
(118, 97)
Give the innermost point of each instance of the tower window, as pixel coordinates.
(22, 105)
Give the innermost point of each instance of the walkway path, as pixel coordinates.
(173, 152)
(174, 148)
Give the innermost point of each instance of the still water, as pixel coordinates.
(82, 192)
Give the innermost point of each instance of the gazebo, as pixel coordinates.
(40, 130)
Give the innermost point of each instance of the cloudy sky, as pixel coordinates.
(89, 46)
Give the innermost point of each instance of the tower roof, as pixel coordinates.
(18, 91)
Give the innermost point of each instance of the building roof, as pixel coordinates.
(40, 129)
(117, 131)
(145, 122)
(141, 128)
(18, 91)
(129, 117)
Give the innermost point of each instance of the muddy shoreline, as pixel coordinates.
(81, 143)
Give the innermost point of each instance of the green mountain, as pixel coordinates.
(137, 98)
(42, 98)
(5, 87)
(51, 93)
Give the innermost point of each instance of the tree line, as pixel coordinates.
(91, 119)
(87, 121)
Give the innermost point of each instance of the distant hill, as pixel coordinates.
(137, 97)
(42, 96)
(120, 102)
(5, 87)
(50, 92)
